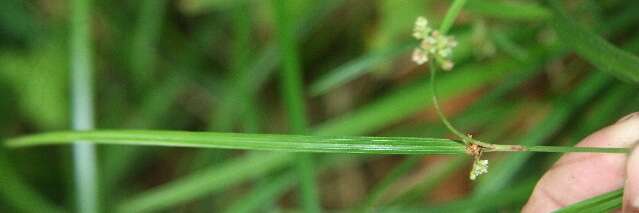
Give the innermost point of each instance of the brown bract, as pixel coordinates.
(474, 149)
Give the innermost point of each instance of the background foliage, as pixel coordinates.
(525, 73)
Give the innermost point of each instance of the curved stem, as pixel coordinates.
(442, 117)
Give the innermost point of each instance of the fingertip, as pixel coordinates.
(631, 188)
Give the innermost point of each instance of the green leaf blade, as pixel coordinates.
(596, 50)
(600, 203)
(265, 142)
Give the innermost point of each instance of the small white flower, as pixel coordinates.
(479, 167)
(421, 29)
(419, 56)
(447, 65)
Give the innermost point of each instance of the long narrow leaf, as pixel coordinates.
(206, 181)
(601, 203)
(84, 154)
(19, 194)
(272, 142)
(520, 11)
(595, 49)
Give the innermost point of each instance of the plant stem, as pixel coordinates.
(451, 14)
(84, 158)
(446, 24)
(467, 140)
(555, 149)
(442, 117)
(291, 90)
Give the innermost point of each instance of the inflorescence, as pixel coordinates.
(479, 167)
(433, 45)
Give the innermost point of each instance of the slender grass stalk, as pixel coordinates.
(596, 50)
(556, 149)
(357, 67)
(451, 15)
(447, 23)
(436, 175)
(442, 117)
(18, 194)
(206, 181)
(116, 161)
(291, 90)
(84, 158)
(271, 142)
(236, 95)
(147, 31)
(603, 111)
(275, 142)
(269, 190)
(506, 197)
(506, 10)
(379, 190)
(275, 187)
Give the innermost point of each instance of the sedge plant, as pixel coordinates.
(434, 50)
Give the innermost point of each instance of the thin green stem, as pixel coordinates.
(291, 89)
(442, 117)
(446, 24)
(451, 15)
(556, 149)
(84, 159)
(145, 37)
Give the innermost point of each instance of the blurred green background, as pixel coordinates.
(217, 65)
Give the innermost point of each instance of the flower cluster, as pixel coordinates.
(433, 45)
(479, 167)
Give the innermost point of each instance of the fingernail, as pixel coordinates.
(631, 189)
(628, 117)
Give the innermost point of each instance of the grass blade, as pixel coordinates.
(208, 181)
(17, 193)
(274, 142)
(275, 187)
(600, 203)
(357, 67)
(520, 11)
(596, 50)
(292, 92)
(378, 191)
(492, 201)
(85, 166)
(451, 15)
(271, 142)
(147, 31)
